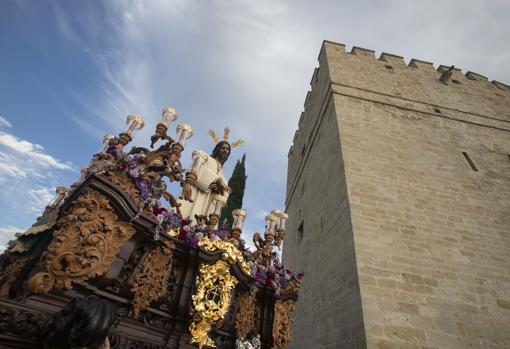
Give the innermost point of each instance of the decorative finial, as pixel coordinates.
(226, 133)
(237, 143)
(213, 135)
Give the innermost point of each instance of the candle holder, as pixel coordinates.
(217, 204)
(62, 193)
(213, 221)
(270, 222)
(237, 226)
(184, 132)
(199, 158)
(133, 123)
(280, 228)
(168, 115)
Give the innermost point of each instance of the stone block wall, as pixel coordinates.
(418, 191)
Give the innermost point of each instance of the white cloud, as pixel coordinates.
(248, 64)
(4, 122)
(27, 176)
(12, 170)
(6, 234)
(41, 196)
(32, 151)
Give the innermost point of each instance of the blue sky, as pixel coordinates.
(70, 72)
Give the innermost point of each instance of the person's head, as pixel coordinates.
(81, 323)
(221, 151)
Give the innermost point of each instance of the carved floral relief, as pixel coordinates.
(87, 240)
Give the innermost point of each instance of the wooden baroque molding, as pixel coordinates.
(88, 238)
(282, 320)
(149, 285)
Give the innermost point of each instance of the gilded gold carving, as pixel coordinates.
(245, 314)
(9, 274)
(281, 323)
(232, 253)
(126, 184)
(214, 288)
(149, 284)
(87, 241)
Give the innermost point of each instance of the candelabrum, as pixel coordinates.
(273, 236)
(149, 166)
(62, 193)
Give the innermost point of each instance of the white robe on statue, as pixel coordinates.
(201, 195)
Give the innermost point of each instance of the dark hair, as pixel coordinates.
(81, 323)
(217, 149)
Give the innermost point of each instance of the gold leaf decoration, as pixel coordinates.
(214, 288)
(88, 239)
(213, 135)
(232, 253)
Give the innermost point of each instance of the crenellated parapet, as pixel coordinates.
(417, 86)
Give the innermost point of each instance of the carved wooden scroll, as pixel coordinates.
(150, 284)
(126, 184)
(245, 314)
(9, 274)
(281, 323)
(88, 238)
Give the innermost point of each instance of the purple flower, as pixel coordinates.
(192, 241)
(143, 186)
(112, 148)
(135, 172)
(172, 220)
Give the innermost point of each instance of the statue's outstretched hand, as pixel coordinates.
(186, 192)
(217, 187)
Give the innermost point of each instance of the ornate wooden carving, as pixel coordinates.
(245, 314)
(129, 268)
(168, 300)
(20, 322)
(126, 184)
(87, 241)
(281, 323)
(149, 284)
(10, 273)
(119, 341)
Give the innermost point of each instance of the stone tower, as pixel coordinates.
(398, 192)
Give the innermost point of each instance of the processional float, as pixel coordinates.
(108, 266)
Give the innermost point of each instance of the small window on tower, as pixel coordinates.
(470, 161)
(300, 232)
(388, 67)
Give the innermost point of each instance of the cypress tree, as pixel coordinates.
(235, 200)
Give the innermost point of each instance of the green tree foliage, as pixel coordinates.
(237, 183)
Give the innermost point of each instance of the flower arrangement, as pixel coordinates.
(254, 343)
(133, 165)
